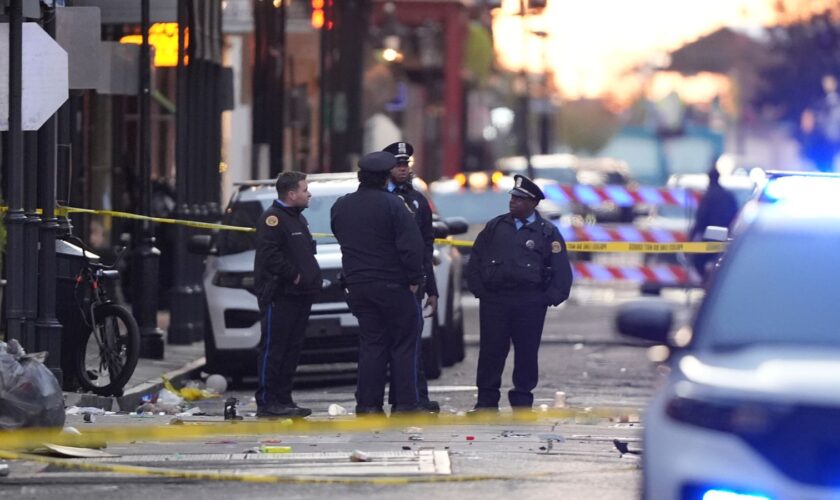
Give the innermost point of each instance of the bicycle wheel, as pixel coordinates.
(108, 353)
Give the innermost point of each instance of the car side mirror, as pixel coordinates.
(716, 233)
(201, 244)
(440, 229)
(457, 225)
(645, 319)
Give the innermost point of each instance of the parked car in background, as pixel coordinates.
(749, 407)
(232, 326)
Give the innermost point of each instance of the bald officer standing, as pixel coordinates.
(382, 262)
(518, 267)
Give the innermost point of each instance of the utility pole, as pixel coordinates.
(146, 256)
(48, 329)
(15, 217)
(525, 98)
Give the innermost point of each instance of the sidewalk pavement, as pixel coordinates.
(179, 363)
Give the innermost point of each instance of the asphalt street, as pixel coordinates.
(581, 356)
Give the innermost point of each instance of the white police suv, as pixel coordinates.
(750, 408)
(232, 325)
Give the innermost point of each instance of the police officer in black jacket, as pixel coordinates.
(400, 184)
(518, 267)
(286, 279)
(382, 262)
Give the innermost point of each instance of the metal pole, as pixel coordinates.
(30, 239)
(278, 95)
(181, 328)
(146, 256)
(14, 217)
(48, 328)
(525, 100)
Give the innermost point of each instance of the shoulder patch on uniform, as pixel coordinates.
(271, 221)
(556, 247)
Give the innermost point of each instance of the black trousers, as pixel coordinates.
(511, 318)
(422, 383)
(283, 324)
(388, 315)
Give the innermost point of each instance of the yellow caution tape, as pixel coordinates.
(27, 439)
(159, 220)
(578, 246)
(135, 470)
(623, 246)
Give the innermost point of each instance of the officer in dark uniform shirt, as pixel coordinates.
(518, 267)
(286, 279)
(400, 184)
(382, 263)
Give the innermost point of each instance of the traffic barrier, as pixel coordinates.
(662, 274)
(622, 232)
(624, 196)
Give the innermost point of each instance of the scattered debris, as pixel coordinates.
(359, 456)
(406, 448)
(89, 418)
(412, 430)
(415, 437)
(191, 392)
(81, 410)
(192, 412)
(275, 449)
(624, 449)
(335, 410)
(578, 346)
(559, 399)
(470, 438)
(31, 395)
(223, 441)
(74, 452)
(514, 434)
(216, 383)
(543, 407)
(550, 439)
(4, 469)
(230, 409)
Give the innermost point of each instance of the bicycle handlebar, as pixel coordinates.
(85, 250)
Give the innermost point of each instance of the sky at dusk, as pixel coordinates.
(590, 44)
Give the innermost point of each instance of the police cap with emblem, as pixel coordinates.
(402, 150)
(379, 161)
(526, 188)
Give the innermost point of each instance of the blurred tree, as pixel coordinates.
(805, 45)
(797, 84)
(586, 125)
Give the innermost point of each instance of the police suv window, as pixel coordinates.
(244, 214)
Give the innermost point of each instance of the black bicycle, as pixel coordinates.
(110, 345)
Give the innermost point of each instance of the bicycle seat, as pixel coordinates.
(111, 274)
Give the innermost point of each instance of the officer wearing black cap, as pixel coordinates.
(400, 184)
(382, 262)
(518, 267)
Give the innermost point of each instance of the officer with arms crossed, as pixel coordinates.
(400, 184)
(518, 267)
(286, 279)
(382, 262)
